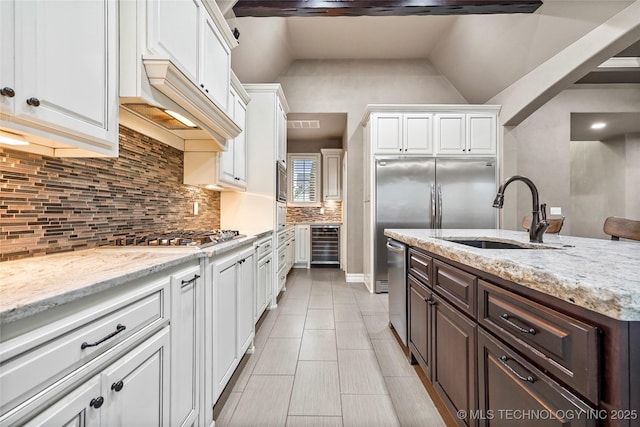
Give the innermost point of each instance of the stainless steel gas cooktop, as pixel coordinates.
(200, 238)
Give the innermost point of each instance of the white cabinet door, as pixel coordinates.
(136, 387)
(239, 146)
(65, 67)
(263, 279)
(303, 247)
(269, 286)
(7, 97)
(174, 30)
(450, 134)
(226, 159)
(386, 133)
(481, 132)
(186, 321)
(215, 73)
(331, 174)
(281, 136)
(225, 321)
(246, 284)
(74, 409)
(417, 131)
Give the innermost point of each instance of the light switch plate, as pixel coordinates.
(555, 211)
(195, 208)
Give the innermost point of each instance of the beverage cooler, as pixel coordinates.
(325, 245)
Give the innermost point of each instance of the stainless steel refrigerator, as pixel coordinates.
(430, 193)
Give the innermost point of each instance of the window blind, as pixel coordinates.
(304, 179)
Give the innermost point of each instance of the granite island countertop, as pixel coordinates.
(600, 275)
(33, 285)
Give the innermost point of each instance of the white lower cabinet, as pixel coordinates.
(303, 246)
(264, 285)
(186, 344)
(134, 391)
(229, 320)
(74, 409)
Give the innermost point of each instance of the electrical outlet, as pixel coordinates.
(321, 211)
(555, 211)
(195, 208)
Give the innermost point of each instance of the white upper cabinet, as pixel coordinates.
(281, 138)
(417, 133)
(467, 134)
(227, 168)
(450, 133)
(331, 174)
(387, 133)
(59, 85)
(398, 133)
(215, 73)
(174, 30)
(481, 133)
(185, 31)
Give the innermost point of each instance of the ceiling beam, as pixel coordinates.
(285, 8)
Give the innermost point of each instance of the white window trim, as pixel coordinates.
(317, 157)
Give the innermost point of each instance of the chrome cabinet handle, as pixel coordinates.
(504, 360)
(119, 328)
(506, 318)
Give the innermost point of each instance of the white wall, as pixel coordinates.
(632, 176)
(598, 184)
(327, 86)
(543, 150)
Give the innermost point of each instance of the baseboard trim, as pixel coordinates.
(354, 278)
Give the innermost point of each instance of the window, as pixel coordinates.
(303, 179)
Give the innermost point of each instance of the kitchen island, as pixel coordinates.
(540, 329)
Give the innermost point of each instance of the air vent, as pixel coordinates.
(157, 116)
(303, 124)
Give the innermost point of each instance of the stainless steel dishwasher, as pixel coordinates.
(397, 271)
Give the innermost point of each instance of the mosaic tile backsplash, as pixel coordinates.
(50, 205)
(332, 213)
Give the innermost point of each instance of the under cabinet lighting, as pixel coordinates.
(182, 119)
(12, 138)
(598, 125)
(212, 187)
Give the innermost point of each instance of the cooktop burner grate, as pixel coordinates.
(179, 238)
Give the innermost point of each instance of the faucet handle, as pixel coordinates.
(543, 211)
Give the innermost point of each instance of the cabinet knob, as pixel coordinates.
(117, 386)
(97, 402)
(34, 102)
(201, 85)
(400, 150)
(464, 149)
(8, 92)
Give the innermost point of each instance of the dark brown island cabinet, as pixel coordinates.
(500, 354)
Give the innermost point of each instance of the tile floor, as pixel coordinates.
(326, 357)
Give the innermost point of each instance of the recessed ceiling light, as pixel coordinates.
(182, 119)
(9, 138)
(598, 125)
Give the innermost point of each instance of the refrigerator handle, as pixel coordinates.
(439, 206)
(433, 206)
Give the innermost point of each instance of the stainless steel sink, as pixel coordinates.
(490, 244)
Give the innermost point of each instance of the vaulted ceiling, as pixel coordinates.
(481, 55)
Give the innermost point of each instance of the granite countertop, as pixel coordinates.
(32, 285)
(600, 275)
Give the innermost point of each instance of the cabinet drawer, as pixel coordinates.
(282, 237)
(420, 266)
(264, 248)
(564, 346)
(508, 383)
(457, 286)
(35, 360)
